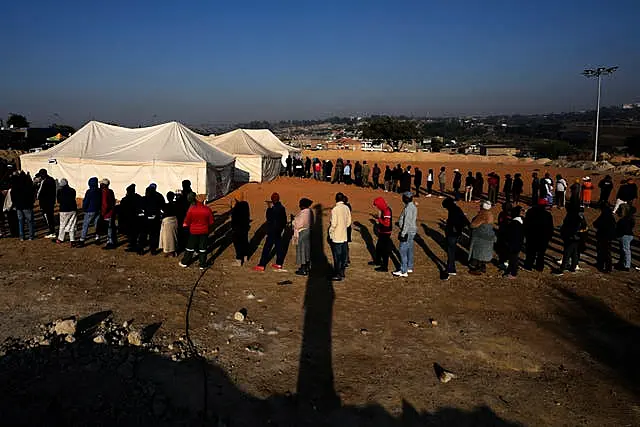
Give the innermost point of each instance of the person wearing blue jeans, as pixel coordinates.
(456, 223)
(89, 218)
(91, 205)
(26, 215)
(624, 232)
(408, 229)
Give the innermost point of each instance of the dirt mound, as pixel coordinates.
(628, 170)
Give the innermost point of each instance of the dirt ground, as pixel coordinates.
(539, 350)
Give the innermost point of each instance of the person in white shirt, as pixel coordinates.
(338, 237)
(561, 190)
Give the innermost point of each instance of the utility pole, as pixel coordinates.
(598, 72)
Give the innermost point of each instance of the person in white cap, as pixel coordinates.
(107, 213)
(68, 212)
(482, 239)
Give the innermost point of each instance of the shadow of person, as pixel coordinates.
(462, 256)
(254, 243)
(440, 264)
(367, 238)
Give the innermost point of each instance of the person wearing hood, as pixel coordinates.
(538, 231)
(46, 196)
(508, 187)
(454, 227)
(91, 206)
(468, 187)
(561, 191)
(606, 187)
(240, 225)
(276, 223)
(22, 199)
(198, 222)
(570, 231)
(417, 181)
(587, 189)
(152, 208)
(169, 227)
(384, 226)
(408, 230)
(518, 186)
(130, 217)
(302, 224)
(515, 239)
(338, 236)
(482, 239)
(624, 231)
(68, 212)
(457, 183)
(107, 213)
(366, 170)
(605, 226)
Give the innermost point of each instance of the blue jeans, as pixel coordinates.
(406, 253)
(339, 251)
(89, 217)
(452, 247)
(112, 235)
(26, 214)
(625, 251)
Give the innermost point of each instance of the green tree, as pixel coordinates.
(63, 129)
(17, 121)
(391, 130)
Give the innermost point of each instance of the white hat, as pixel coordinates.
(486, 205)
(105, 181)
(63, 182)
(586, 178)
(456, 170)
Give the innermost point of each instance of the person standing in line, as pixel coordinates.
(298, 165)
(502, 245)
(130, 217)
(68, 212)
(442, 180)
(515, 232)
(627, 194)
(417, 181)
(152, 207)
(338, 225)
(483, 238)
(346, 173)
(457, 183)
(430, 180)
(22, 197)
(302, 224)
(570, 233)
(328, 170)
(624, 231)
(289, 167)
(605, 226)
(91, 206)
(587, 189)
(375, 176)
(337, 174)
(518, 187)
(307, 168)
(405, 182)
(408, 230)
(317, 170)
(478, 188)
(547, 183)
(606, 187)
(46, 196)
(384, 227)
(198, 222)
(455, 225)
(492, 183)
(183, 205)
(388, 179)
(396, 175)
(240, 225)
(561, 190)
(276, 223)
(575, 194)
(535, 188)
(357, 174)
(365, 174)
(538, 231)
(468, 187)
(169, 227)
(107, 213)
(508, 187)
(349, 231)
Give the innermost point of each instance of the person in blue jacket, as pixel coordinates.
(91, 205)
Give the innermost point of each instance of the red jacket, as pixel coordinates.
(108, 203)
(384, 220)
(199, 219)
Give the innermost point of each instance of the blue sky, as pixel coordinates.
(199, 62)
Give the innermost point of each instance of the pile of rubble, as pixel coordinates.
(601, 166)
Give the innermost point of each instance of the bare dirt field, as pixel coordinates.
(539, 350)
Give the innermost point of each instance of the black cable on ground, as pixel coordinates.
(194, 350)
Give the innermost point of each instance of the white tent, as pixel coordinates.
(268, 140)
(254, 162)
(165, 154)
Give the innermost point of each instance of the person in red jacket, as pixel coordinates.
(384, 226)
(107, 213)
(198, 220)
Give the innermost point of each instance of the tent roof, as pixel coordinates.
(168, 142)
(239, 143)
(268, 140)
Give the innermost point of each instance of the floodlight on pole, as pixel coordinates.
(598, 72)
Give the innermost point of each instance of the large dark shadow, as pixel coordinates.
(593, 327)
(440, 264)
(462, 256)
(258, 236)
(368, 239)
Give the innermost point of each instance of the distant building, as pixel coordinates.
(345, 144)
(498, 150)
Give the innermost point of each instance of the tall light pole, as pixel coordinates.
(598, 72)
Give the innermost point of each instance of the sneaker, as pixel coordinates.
(452, 273)
(97, 238)
(202, 268)
(276, 266)
(258, 268)
(409, 271)
(50, 236)
(182, 265)
(400, 274)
